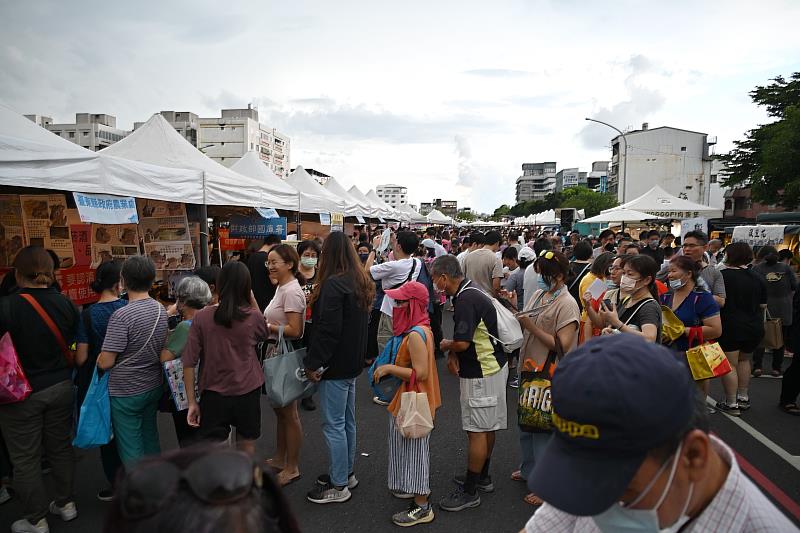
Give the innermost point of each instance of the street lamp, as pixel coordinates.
(624, 140)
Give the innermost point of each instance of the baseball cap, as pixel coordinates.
(526, 253)
(411, 290)
(614, 399)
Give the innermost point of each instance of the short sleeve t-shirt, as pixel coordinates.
(392, 274)
(176, 341)
(289, 298)
(643, 312)
(475, 320)
(481, 267)
(742, 312)
(138, 366)
(714, 280)
(695, 308)
(96, 319)
(552, 316)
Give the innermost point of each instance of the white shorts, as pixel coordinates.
(483, 402)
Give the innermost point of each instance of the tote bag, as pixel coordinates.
(284, 374)
(534, 407)
(773, 333)
(94, 424)
(706, 360)
(414, 420)
(14, 385)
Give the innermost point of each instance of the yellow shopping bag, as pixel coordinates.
(706, 360)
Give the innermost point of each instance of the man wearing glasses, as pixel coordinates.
(695, 245)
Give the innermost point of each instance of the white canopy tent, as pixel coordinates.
(362, 199)
(354, 206)
(157, 142)
(286, 196)
(437, 217)
(620, 215)
(659, 202)
(413, 216)
(314, 198)
(383, 207)
(31, 156)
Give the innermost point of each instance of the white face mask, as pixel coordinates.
(627, 284)
(622, 519)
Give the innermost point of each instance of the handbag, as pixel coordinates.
(534, 407)
(706, 360)
(69, 353)
(94, 424)
(414, 420)
(773, 332)
(14, 385)
(672, 327)
(284, 373)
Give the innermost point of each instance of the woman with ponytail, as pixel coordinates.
(91, 334)
(287, 309)
(781, 284)
(639, 311)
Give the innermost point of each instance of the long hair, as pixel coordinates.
(35, 265)
(338, 258)
(233, 286)
(290, 256)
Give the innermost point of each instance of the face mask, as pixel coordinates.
(653, 244)
(627, 284)
(543, 284)
(363, 257)
(623, 519)
(610, 284)
(308, 262)
(676, 284)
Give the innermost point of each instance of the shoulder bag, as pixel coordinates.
(284, 373)
(534, 407)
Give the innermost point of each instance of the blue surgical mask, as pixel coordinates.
(545, 286)
(676, 284)
(610, 284)
(622, 519)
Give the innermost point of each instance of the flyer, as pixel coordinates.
(113, 241)
(44, 219)
(12, 234)
(165, 233)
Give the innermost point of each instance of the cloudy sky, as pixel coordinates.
(446, 97)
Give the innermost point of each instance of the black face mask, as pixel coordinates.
(363, 257)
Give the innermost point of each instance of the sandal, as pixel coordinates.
(272, 463)
(284, 479)
(757, 373)
(516, 475)
(533, 499)
(791, 408)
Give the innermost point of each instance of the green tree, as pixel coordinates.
(768, 159)
(466, 216)
(590, 201)
(501, 211)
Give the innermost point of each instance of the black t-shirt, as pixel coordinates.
(38, 351)
(657, 254)
(742, 317)
(642, 312)
(475, 320)
(263, 289)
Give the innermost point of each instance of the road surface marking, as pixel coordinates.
(768, 486)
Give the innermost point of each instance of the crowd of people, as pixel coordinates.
(627, 308)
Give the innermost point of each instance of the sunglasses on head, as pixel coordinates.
(218, 478)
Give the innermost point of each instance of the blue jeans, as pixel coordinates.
(532, 446)
(338, 400)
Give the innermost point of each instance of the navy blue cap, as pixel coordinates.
(614, 399)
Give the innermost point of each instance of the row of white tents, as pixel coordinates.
(156, 162)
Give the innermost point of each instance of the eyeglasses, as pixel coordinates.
(270, 264)
(547, 254)
(219, 478)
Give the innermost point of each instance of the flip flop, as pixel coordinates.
(287, 482)
(271, 464)
(533, 499)
(517, 475)
(791, 408)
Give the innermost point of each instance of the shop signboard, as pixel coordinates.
(106, 208)
(337, 221)
(255, 227)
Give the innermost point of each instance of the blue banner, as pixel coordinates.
(253, 227)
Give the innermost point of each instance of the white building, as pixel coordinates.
(90, 130)
(569, 177)
(234, 133)
(394, 195)
(537, 181)
(597, 179)
(676, 160)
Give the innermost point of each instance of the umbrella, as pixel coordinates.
(620, 215)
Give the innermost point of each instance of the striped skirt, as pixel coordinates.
(409, 462)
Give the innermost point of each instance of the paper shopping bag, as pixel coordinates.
(414, 420)
(773, 333)
(706, 360)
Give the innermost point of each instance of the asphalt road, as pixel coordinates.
(504, 510)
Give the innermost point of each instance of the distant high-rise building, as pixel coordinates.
(394, 195)
(90, 130)
(537, 181)
(446, 207)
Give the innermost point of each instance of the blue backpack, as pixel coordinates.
(387, 387)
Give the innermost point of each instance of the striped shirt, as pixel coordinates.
(138, 368)
(738, 507)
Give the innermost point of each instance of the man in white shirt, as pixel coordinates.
(631, 451)
(393, 274)
(530, 283)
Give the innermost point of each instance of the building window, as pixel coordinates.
(72, 135)
(683, 148)
(85, 133)
(713, 178)
(57, 132)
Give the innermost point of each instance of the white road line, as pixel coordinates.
(793, 460)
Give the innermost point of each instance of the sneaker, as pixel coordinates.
(67, 512)
(514, 383)
(744, 404)
(308, 404)
(352, 481)
(401, 495)
(732, 410)
(23, 526)
(105, 495)
(328, 494)
(484, 485)
(710, 410)
(414, 515)
(459, 500)
(378, 401)
(5, 495)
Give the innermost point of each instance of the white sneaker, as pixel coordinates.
(23, 526)
(4, 495)
(67, 513)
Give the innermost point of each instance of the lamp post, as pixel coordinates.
(624, 140)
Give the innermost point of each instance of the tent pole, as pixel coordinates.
(204, 259)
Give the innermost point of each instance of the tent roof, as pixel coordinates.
(31, 156)
(286, 196)
(414, 216)
(387, 210)
(157, 142)
(659, 202)
(354, 206)
(620, 215)
(437, 217)
(356, 193)
(314, 198)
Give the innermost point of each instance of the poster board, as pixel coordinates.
(761, 235)
(44, 218)
(693, 224)
(114, 242)
(165, 231)
(12, 233)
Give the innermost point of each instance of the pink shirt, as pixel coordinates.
(289, 298)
